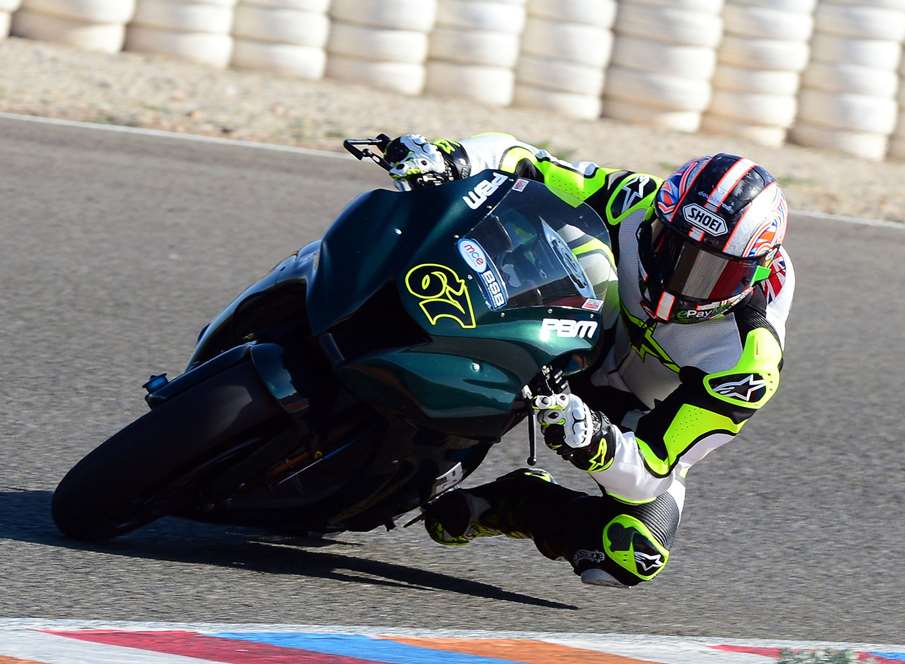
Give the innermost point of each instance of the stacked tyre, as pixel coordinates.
(283, 36)
(381, 43)
(897, 146)
(663, 59)
(7, 7)
(474, 49)
(565, 49)
(848, 98)
(194, 30)
(96, 25)
(759, 62)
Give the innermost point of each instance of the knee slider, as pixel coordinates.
(634, 549)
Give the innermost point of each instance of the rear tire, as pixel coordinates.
(107, 493)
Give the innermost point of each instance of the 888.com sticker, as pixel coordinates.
(492, 286)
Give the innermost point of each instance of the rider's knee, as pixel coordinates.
(635, 546)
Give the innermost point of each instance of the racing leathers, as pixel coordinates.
(670, 393)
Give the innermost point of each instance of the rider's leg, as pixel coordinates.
(606, 541)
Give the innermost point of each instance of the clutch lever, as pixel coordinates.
(381, 141)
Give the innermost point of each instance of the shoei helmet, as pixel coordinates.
(719, 221)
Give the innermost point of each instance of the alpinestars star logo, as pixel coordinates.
(647, 562)
(750, 388)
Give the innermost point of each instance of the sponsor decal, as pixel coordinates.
(483, 190)
(647, 562)
(592, 305)
(708, 222)
(520, 184)
(565, 327)
(494, 289)
(697, 314)
(750, 388)
(492, 286)
(473, 254)
(442, 294)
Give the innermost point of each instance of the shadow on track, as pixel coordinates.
(25, 516)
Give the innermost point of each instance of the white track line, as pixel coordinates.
(159, 133)
(310, 152)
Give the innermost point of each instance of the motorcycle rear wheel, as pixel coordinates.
(110, 492)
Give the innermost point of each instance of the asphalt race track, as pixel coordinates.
(116, 249)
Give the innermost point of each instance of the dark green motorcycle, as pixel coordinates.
(364, 375)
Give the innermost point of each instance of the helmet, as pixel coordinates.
(719, 221)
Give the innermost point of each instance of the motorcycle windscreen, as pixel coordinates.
(520, 258)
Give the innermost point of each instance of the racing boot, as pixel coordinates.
(460, 516)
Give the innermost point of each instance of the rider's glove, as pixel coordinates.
(416, 162)
(575, 432)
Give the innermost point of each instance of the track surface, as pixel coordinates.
(116, 249)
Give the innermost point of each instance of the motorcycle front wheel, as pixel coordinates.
(111, 491)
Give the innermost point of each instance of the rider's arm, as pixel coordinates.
(703, 413)
(573, 182)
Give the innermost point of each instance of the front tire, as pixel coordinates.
(108, 493)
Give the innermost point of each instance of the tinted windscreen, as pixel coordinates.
(521, 259)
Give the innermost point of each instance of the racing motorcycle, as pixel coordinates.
(365, 375)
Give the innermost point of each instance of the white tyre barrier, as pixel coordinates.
(873, 53)
(668, 25)
(867, 145)
(852, 79)
(474, 47)
(480, 15)
(684, 61)
(584, 44)
(881, 4)
(861, 22)
(764, 54)
(897, 147)
(685, 121)
(313, 6)
(281, 25)
(703, 6)
(489, 85)
(657, 90)
(200, 47)
(401, 77)
(791, 6)
(416, 15)
(763, 109)
(286, 59)
(847, 111)
(763, 81)
(764, 135)
(104, 37)
(766, 23)
(560, 75)
(597, 13)
(184, 16)
(375, 44)
(564, 103)
(89, 11)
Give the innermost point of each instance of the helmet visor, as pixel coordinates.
(686, 269)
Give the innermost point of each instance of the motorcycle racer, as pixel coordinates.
(705, 288)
